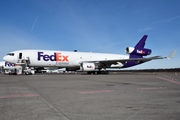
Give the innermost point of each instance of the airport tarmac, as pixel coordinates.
(117, 96)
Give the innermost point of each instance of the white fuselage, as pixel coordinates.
(49, 58)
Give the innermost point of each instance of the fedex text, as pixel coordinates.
(7, 64)
(54, 57)
(140, 51)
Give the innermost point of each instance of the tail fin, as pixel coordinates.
(140, 45)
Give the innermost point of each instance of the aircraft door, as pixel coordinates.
(20, 55)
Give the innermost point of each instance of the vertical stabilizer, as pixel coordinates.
(140, 45)
(142, 42)
(138, 51)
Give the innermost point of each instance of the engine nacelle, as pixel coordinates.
(135, 51)
(88, 67)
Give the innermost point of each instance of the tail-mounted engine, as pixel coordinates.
(87, 67)
(136, 51)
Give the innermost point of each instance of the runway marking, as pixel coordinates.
(19, 95)
(169, 79)
(152, 88)
(95, 91)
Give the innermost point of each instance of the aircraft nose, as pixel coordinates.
(6, 58)
(10, 59)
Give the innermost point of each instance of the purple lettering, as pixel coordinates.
(9, 64)
(40, 54)
(53, 57)
(6, 64)
(46, 57)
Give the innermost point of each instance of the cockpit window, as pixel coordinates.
(10, 54)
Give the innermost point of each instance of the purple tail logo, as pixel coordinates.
(141, 52)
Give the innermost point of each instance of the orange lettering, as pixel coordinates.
(61, 58)
(58, 57)
(65, 58)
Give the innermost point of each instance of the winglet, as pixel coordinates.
(172, 54)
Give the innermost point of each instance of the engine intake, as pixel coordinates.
(136, 51)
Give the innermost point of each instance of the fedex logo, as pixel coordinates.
(140, 51)
(89, 66)
(55, 57)
(9, 64)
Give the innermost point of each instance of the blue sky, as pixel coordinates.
(107, 26)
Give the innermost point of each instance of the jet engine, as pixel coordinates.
(87, 67)
(137, 51)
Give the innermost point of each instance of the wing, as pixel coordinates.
(108, 63)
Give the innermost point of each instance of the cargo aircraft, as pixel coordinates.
(83, 61)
